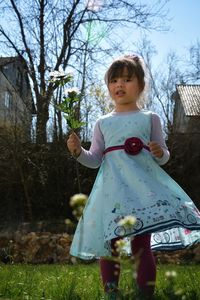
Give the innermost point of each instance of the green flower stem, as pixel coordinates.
(70, 108)
(77, 175)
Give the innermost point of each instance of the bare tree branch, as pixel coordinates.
(53, 34)
(32, 72)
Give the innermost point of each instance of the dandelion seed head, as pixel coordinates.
(167, 273)
(170, 274)
(173, 273)
(120, 246)
(78, 200)
(73, 260)
(134, 275)
(68, 222)
(127, 221)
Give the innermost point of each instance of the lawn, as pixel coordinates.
(82, 281)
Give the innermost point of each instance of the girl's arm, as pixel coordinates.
(157, 136)
(92, 158)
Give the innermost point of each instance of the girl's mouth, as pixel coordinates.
(120, 93)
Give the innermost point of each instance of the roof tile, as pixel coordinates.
(190, 98)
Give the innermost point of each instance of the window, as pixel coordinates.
(8, 100)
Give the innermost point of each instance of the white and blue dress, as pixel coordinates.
(132, 185)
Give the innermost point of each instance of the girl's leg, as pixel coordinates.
(145, 263)
(110, 270)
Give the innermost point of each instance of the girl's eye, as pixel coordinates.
(124, 80)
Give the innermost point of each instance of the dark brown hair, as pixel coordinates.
(133, 65)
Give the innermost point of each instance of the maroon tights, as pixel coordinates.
(144, 261)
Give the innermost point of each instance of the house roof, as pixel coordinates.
(6, 60)
(190, 98)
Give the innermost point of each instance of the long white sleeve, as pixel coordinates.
(92, 158)
(157, 136)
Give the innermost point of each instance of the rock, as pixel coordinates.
(35, 247)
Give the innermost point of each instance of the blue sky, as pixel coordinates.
(184, 31)
(185, 27)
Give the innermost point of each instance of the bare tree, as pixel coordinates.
(49, 34)
(163, 80)
(192, 72)
(163, 84)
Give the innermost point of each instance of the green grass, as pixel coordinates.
(82, 281)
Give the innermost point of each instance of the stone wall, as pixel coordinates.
(47, 248)
(35, 247)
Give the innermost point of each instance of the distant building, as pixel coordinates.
(187, 109)
(185, 140)
(16, 102)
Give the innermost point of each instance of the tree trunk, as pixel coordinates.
(59, 116)
(42, 119)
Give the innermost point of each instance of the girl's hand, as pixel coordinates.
(74, 144)
(155, 149)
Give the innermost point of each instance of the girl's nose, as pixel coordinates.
(119, 83)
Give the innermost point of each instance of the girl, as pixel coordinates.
(128, 146)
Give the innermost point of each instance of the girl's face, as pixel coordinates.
(124, 91)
